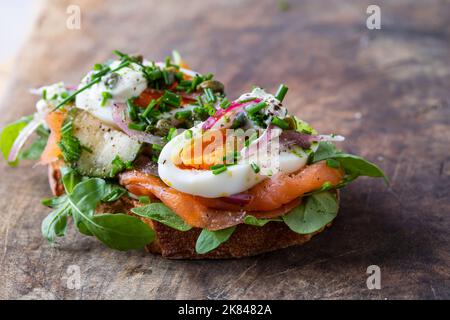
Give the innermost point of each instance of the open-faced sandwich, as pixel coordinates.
(145, 154)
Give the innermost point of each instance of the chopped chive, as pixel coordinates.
(149, 108)
(132, 110)
(255, 167)
(247, 100)
(144, 199)
(137, 126)
(219, 170)
(168, 61)
(105, 96)
(171, 134)
(165, 75)
(44, 94)
(280, 123)
(156, 147)
(210, 95)
(200, 101)
(256, 107)
(252, 138)
(217, 166)
(155, 75)
(171, 98)
(64, 94)
(98, 66)
(188, 134)
(333, 163)
(225, 103)
(281, 92)
(185, 114)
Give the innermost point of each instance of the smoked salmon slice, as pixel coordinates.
(281, 189)
(188, 207)
(52, 152)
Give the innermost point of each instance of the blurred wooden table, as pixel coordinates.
(386, 90)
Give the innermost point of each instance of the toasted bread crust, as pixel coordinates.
(245, 241)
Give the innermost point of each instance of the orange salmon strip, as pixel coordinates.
(52, 152)
(188, 207)
(281, 189)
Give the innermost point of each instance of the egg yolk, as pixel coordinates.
(206, 151)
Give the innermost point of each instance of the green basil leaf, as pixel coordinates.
(121, 231)
(163, 214)
(9, 135)
(251, 220)
(313, 214)
(54, 225)
(210, 240)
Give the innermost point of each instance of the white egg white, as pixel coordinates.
(237, 178)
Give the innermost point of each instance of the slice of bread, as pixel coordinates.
(245, 241)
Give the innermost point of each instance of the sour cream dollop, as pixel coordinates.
(126, 83)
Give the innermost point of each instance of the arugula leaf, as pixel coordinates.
(354, 166)
(163, 214)
(84, 199)
(313, 214)
(55, 224)
(251, 220)
(210, 240)
(120, 231)
(113, 192)
(9, 134)
(35, 150)
(70, 178)
(117, 231)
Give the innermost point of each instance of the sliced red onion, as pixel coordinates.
(23, 136)
(120, 117)
(214, 122)
(240, 199)
(263, 141)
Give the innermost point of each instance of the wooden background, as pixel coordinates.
(387, 91)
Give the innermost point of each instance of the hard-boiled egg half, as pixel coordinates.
(180, 168)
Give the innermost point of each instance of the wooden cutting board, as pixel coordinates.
(387, 91)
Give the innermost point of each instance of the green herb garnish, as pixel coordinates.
(280, 123)
(256, 107)
(281, 92)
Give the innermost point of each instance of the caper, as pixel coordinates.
(162, 127)
(291, 122)
(214, 85)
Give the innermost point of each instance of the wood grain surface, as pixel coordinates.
(387, 91)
